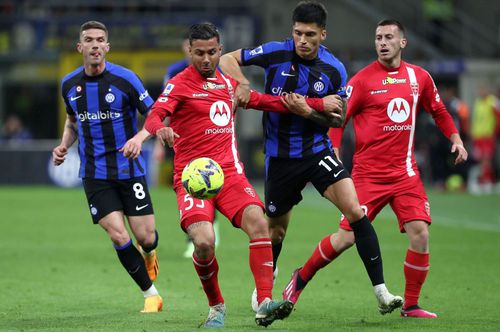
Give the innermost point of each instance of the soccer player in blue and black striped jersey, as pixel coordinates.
(102, 100)
(298, 150)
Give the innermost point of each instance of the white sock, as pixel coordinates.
(380, 289)
(151, 291)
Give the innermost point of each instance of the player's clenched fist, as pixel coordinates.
(333, 104)
(59, 154)
(132, 149)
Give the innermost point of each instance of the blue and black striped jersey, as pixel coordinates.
(106, 108)
(289, 135)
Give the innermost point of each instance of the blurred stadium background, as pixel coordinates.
(457, 41)
(60, 274)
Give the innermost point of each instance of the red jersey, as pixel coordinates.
(383, 104)
(201, 113)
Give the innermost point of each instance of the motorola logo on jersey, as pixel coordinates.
(220, 113)
(101, 115)
(398, 110)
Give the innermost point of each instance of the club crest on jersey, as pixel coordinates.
(257, 50)
(250, 191)
(109, 97)
(427, 208)
(78, 88)
(220, 113)
(319, 86)
(213, 86)
(168, 89)
(398, 110)
(390, 80)
(414, 88)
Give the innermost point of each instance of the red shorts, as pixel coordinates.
(236, 194)
(407, 198)
(484, 148)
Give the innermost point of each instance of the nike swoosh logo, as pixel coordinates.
(268, 264)
(74, 98)
(373, 258)
(337, 174)
(139, 208)
(286, 74)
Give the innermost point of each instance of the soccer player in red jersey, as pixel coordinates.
(383, 101)
(199, 103)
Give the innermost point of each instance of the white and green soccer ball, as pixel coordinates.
(202, 178)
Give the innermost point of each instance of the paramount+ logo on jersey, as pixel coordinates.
(220, 115)
(101, 115)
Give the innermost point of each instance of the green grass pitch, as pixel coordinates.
(60, 273)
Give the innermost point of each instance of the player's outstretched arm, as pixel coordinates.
(270, 103)
(230, 65)
(331, 116)
(70, 134)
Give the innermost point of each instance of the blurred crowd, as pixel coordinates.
(479, 126)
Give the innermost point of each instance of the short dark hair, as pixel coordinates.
(204, 31)
(391, 21)
(310, 12)
(93, 25)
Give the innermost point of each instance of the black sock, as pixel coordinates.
(368, 249)
(276, 253)
(300, 283)
(153, 246)
(133, 263)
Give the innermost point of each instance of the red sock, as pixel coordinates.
(416, 267)
(321, 257)
(207, 271)
(261, 264)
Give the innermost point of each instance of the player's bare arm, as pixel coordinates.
(458, 148)
(230, 65)
(70, 135)
(332, 109)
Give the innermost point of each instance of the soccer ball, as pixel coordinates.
(202, 178)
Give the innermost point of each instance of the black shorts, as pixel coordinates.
(105, 196)
(286, 177)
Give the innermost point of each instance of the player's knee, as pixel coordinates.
(277, 233)
(204, 247)
(354, 212)
(421, 237)
(118, 238)
(147, 240)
